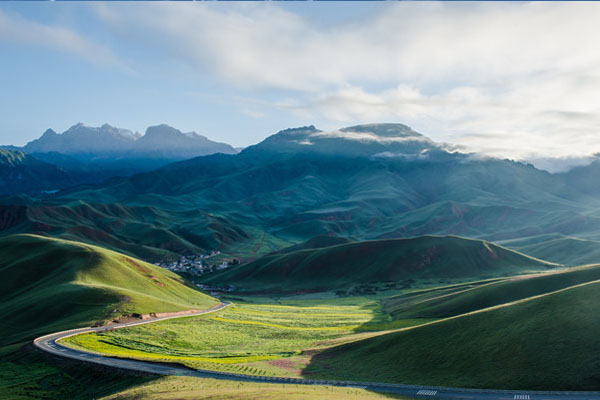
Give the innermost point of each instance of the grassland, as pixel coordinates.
(257, 339)
(549, 342)
(193, 388)
(48, 285)
(460, 299)
(514, 333)
(343, 266)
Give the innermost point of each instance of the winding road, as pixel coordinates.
(48, 343)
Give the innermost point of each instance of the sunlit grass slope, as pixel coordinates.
(548, 343)
(355, 263)
(50, 284)
(179, 388)
(460, 299)
(259, 339)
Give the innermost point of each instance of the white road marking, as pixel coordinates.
(427, 392)
(521, 397)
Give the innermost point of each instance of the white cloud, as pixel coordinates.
(369, 137)
(16, 29)
(518, 80)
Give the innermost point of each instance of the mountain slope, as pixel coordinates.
(92, 154)
(49, 284)
(22, 173)
(144, 231)
(374, 181)
(81, 139)
(546, 343)
(163, 141)
(345, 265)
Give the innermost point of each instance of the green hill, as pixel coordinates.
(561, 249)
(317, 242)
(144, 231)
(461, 299)
(355, 263)
(50, 284)
(546, 343)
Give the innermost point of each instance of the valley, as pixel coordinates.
(356, 339)
(299, 200)
(336, 262)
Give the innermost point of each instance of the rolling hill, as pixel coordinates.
(548, 342)
(394, 260)
(558, 248)
(460, 299)
(375, 181)
(50, 284)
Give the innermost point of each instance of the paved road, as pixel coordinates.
(49, 344)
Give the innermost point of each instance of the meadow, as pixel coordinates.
(488, 334)
(545, 342)
(259, 339)
(182, 388)
(48, 285)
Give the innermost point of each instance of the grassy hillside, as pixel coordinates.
(180, 388)
(316, 242)
(49, 284)
(342, 266)
(446, 302)
(561, 249)
(550, 343)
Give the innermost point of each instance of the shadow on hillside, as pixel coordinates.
(51, 377)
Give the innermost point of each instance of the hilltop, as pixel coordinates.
(351, 264)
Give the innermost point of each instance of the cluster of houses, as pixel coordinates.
(198, 264)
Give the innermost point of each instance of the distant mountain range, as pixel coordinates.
(108, 142)
(364, 182)
(86, 154)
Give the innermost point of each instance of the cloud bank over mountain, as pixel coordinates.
(508, 80)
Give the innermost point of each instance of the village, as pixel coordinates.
(196, 265)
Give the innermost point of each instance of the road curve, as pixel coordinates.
(48, 343)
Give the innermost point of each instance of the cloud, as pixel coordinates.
(518, 80)
(369, 137)
(16, 29)
(514, 80)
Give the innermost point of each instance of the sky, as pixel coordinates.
(511, 80)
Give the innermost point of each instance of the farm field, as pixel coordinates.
(258, 339)
(536, 322)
